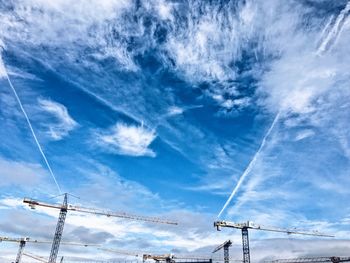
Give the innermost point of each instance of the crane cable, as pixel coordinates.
(30, 125)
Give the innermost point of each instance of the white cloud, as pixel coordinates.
(38, 22)
(215, 41)
(192, 227)
(128, 140)
(297, 80)
(174, 110)
(304, 134)
(2, 68)
(164, 9)
(2, 65)
(64, 122)
(204, 49)
(23, 174)
(194, 235)
(309, 89)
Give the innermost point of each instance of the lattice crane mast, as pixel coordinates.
(65, 207)
(249, 225)
(24, 240)
(22, 243)
(225, 246)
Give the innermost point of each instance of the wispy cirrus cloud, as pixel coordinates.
(303, 134)
(3, 71)
(249, 55)
(176, 110)
(63, 123)
(127, 139)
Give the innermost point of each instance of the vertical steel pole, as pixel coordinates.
(22, 244)
(59, 230)
(226, 254)
(245, 243)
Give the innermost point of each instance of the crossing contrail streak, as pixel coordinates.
(333, 30)
(250, 165)
(30, 125)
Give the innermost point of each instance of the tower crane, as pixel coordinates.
(22, 243)
(65, 207)
(225, 246)
(24, 240)
(249, 225)
(312, 260)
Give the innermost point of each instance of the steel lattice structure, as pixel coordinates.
(22, 244)
(59, 230)
(249, 225)
(245, 243)
(225, 246)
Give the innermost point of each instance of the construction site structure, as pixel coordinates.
(22, 243)
(311, 260)
(226, 245)
(59, 230)
(249, 225)
(160, 258)
(24, 240)
(37, 258)
(65, 207)
(170, 258)
(164, 258)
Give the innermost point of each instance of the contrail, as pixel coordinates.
(333, 30)
(250, 165)
(29, 124)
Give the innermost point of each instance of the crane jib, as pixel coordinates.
(33, 203)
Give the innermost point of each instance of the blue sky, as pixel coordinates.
(164, 107)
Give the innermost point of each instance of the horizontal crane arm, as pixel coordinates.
(120, 215)
(33, 203)
(292, 231)
(28, 240)
(250, 225)
(121, 252)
